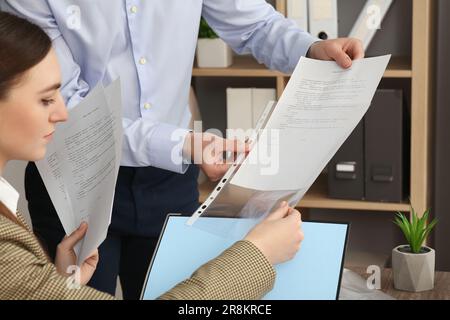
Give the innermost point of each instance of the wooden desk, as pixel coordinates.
(441, 290)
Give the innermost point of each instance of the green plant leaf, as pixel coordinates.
(415, 229)
(402, 222)
(414, 217)
(422, 228)
(407, 224)
(420, 232)
(205, 31)
(430, 228)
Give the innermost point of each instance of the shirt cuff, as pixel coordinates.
(166, 145)
(304, 43)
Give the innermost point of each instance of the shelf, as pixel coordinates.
(243, 66)
(399, 67)
(317, 198)
(246, 66)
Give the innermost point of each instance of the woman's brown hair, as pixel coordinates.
(22, 46)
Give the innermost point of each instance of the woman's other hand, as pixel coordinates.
(279, 236)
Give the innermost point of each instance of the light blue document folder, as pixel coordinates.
(314, 273)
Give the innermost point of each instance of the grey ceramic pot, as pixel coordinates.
(413, 272)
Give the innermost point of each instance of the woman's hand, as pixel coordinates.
(278, 236)
(66, 257)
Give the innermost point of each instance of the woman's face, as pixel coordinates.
(30, 111)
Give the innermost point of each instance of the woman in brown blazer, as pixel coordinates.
(30, 106)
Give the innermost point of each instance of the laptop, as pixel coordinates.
(314, 274)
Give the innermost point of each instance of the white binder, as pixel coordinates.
(297, 10)
(323, 19)
(245, 106)
(369, 20)
(239, 110)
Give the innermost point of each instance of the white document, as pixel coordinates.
(81, 166)
(297, 10)
(323, 19)
(369, 21)
(114, 96)
(320, 107)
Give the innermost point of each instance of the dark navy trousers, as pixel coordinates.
(143, 198)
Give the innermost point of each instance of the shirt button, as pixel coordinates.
(134, 9)
(147, 106)
(142, 61)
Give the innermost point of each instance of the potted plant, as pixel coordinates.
(413, 264)
(212, 52)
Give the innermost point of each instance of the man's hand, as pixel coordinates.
(207, 150)
(342, 50)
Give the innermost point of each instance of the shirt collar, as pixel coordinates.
(8, 196)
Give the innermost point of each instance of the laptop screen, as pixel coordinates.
(314, 274)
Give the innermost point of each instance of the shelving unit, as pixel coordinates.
(417, 68)
(317, 198)
(247, 66)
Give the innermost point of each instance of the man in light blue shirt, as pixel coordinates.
(151, 45)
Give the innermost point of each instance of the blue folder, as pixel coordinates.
(314, 274)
